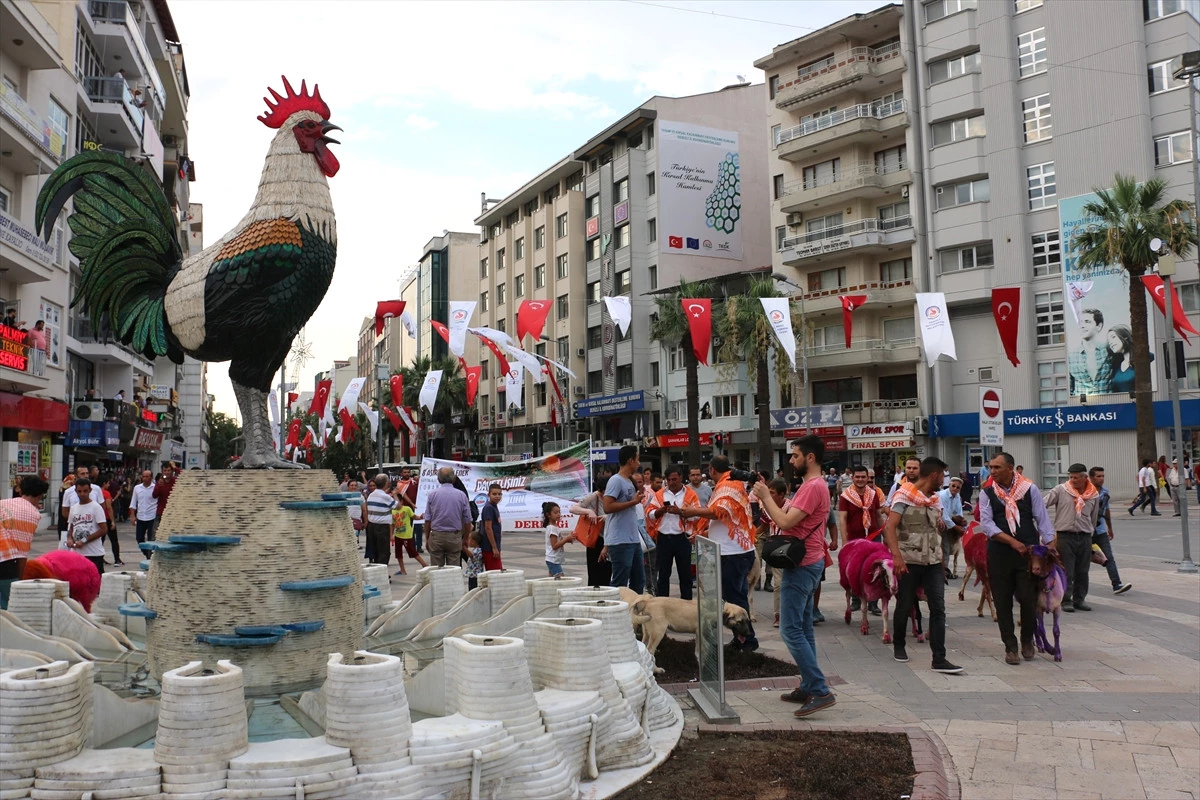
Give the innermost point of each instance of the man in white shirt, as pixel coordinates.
(673, 536)
(912, 470)
(86, 527)
(1147, 490)
(143, 508)
(70, 498)
(955, 522)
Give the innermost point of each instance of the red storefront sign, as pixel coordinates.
(146, 439)
(149, 416)
(14, 353)
(677, 439)
(880, 444)
(832, 431)
(33, 413)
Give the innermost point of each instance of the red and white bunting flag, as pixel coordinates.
(320, 399)
(779, 317)
(546, 368)
(497, 352)
(460, 312)
(441, 329)
(699, 317)
(293, 434)
(292, 397)
(849, 303)
(349, 398)
(531, 318)
(307, 444)
(393, 418)
(372, 417)
(406, 416)
(429, 389)
(473, 374)
(1154, 284)
(396, 382)
(349, 424)
(1006, 308)
(386, 309)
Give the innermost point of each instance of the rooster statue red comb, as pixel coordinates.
(285, 106)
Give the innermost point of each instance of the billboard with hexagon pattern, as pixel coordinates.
(699, 191)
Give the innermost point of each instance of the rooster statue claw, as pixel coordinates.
(242, 299)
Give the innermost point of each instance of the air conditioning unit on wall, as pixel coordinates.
(579, 391)
(795, 218)
(92, 410)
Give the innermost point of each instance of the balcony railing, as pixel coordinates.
(115, 90)
(856, 172)
(32, 124)
(119, 12)
(840, 232)
(860, 345)
(873, 55)
(827, 121)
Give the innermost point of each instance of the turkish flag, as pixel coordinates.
(308, 441)
(386, 309)
(393, 418)
(349, 424)
(321, 398)
(293, 434)
(473, 374)
(1178, 318)
(699, 317)
(531, 318)
(291, 398)
(675, 241)
(397, 384)
(849, 303)
(1006, 308)
(441, 329)
(496, 351)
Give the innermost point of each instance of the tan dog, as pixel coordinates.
(657, 615)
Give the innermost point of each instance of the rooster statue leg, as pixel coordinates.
(256, 431)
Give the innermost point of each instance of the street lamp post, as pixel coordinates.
(808, 426)
(382, 376)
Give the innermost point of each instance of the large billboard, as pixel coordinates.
(699, 191)
(1096, 313)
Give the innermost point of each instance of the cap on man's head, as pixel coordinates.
(956, 479)
(1076, 467)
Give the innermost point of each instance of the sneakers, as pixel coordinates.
(1068, 606)
(946, 668)
(1011, 657)
(119, 563)
(1156, 513)
(1027, 651)
(776, 625)
(900, 654)
(795, 696)
(855, 604)
(1082, 606)
(1123, 588)
(873, 608)
(816, 703)
(818, 617)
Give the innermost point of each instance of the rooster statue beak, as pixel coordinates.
(326, 127)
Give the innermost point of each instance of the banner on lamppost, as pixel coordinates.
(780, 318)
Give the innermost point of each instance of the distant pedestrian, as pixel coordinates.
(556, 538)
(472, 557)
(1174, 489)
(490, 529)
(1147, 490)
(591, 506)
(402, 533)
(622, 543)
(1075, 506)
(1104, 532)
(143, 509)
(356, 511)
(377, 508)
(19, 518)
(162, 491)
(86, 528)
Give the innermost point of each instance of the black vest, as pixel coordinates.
(1027, 533)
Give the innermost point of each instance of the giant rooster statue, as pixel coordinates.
(240, 300)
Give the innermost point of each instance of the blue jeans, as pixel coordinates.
(1111, 565)
(796, 623)
(627, 569)
(735, 570)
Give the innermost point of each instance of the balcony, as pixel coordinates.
(865, 234)
(110, 98)
(863, 352)
(35, 143)
(24, 256)
(21, 366)
(116, 22)
(95, 342)
(861, 180)
(878, 292)
(876, 411)
(839, 72)
(839, 129)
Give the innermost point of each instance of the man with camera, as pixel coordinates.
(729, 525)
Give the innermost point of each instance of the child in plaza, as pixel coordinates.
(555, 539)
(474, 565)
(402, 534)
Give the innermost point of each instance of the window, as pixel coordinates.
(944, 8)
(539, 237)
(560, 266)
(1048, 307)
(593, 337)
(483, 369)
(1173, 149)
(483, 302)
(483, 269)
(519, 286)
(948, 68)
(897, 387)
(828, 337)
(1056, 455)
(501, 294)
(652, 276)
(654, 376)
(500, 258)
(512, 220)
(1189, 297)
(496, 231)
(539, 394)
(592, 249)
(827, 279)
(650, 138)
(1042, 189)
(678, 411)
(844, 390)
(593, 292)
(1031, 52)
(574, 182)
(539, 276)
(780, 235)
(592, 207)
(823, 227)
(777, 186)
(775, 129)
(5, 199)
(519, 249)
(563, 306)
(1025, 5)
(955, 130)
(1036, 111)
(1047, 254)
(624, 283)
(652, 230)
(729, 405)
(1192, 378)
(960, 258)
(822, 174)
(675, 359)
(595, 382)
(621, 191)
(564, 348)
(625, 376)
(893, 159)
(550, 195)
(622, 236)
(1053, 390)
(60, 121)
(897, 271)
(560, 226)
(484, 405)
(901, 330)
(502, 324)
(894, 216)
(1155, 9)
(650, 184)
(959, 194)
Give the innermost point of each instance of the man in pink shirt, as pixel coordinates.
(805, 519)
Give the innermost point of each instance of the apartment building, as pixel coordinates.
(1012, 113)
(625, 215)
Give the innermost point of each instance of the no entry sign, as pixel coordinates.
(991, 416)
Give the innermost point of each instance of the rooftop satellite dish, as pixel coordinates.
(1156, 244)
(741, 78)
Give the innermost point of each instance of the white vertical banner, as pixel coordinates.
(991, 416)
(621, 311)
(273, 416)
(409, 322)
(412, 427)
(429, 389)
(349, 398)
(529, 362)
(514, 387)
(936, 336)
(460, 315)
(372, 417)
(780, 318)
(699, 191)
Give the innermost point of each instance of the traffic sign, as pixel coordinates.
(991, 416)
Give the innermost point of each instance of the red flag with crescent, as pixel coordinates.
(699, 318)
(308, 440)
(393, 418)
(473, 374)
(1006, 308)
(386, 309)
(293, 434)
(499, 354)
(1179, 319)
(321, 397)
(441, 329)
(849, 303)
(291, 398)
(397, 384)
(349, 424)
(531, 318)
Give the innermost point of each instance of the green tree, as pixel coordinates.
(451, 398)
(671, 326)
(746, 336)
(1130, 215)
(338, 457)
(223, 431)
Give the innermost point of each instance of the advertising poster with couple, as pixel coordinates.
(1095, 314)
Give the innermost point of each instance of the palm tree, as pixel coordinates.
(671, 326)
(1131, 214)
(452, 395)
(746, 336)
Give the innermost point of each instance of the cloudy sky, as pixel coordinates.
(439, 102)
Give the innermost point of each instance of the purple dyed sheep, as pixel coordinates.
(866, 573)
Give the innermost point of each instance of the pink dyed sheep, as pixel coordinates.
(69, 566)
(866, 573)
